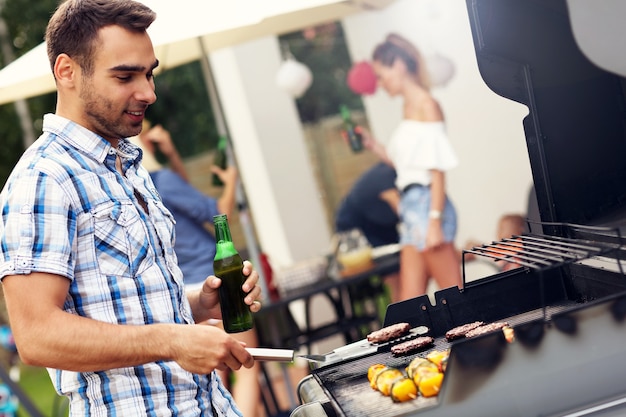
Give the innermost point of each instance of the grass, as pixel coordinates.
(36, 384)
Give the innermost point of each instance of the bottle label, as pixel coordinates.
(224, 249)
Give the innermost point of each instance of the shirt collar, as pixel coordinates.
(129, 150)
(86, 141)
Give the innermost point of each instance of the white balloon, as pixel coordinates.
(440, 69)
(294, 77)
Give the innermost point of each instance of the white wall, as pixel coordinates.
(493, 176)
(485, 129)
(271, 152)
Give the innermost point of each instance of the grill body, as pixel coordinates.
(567, 299)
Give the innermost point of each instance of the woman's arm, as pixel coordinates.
(374, 146)
(391, 197)
(437, 203)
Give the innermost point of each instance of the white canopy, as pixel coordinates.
(180, 25)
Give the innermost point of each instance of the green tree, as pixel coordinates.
(26, 22)
(182, 107)
(323, 50)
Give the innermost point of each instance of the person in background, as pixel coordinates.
(420, 151)
(192, 210)
(371, 206)
(509, 225)
(195, 244)
(91, 282)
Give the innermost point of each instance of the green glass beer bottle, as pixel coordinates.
(349, 127)
(228, 266)
(220, 159)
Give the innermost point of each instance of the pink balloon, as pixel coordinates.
(362, 79)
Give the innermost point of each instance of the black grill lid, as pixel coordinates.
(576, 127)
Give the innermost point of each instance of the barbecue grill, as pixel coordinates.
(566, 300)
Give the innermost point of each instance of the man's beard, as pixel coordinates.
(103, 116)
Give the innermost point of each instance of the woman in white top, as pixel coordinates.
(421, 153)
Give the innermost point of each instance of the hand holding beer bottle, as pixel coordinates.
(350, 130)
(228, 266)
(220, 160)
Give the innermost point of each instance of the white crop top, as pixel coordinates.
(416, 147)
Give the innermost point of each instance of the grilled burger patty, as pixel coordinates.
(388, 333)
(461, 331)
(486, 328)
(411, 345)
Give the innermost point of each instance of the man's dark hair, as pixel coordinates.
(74, 26)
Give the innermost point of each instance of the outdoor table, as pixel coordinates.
(355, 299)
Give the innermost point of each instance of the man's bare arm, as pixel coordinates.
(48, 336)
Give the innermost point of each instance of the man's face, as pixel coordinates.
(115, 97)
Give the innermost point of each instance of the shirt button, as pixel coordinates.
(24, 263)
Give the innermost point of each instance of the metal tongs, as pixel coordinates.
(353, 350)
(281, 355)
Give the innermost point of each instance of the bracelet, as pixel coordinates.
(434, 214)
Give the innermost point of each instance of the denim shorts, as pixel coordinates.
(414, 209)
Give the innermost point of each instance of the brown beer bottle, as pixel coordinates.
(228, 266)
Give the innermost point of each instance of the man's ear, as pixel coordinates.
(66, 70)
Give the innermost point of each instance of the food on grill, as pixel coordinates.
(411, 345)
(509, 334)
(372, 373)
(419, 367)
(487, 328)
(439, 358)
(461, 331)
(427, 372)
(386, 378)
(388, 333)
(430, 384)
(422, 376)
(403, 389)
(391, 382)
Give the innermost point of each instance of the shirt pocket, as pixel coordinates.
(165, 228)
(164, 224)
(121, 243)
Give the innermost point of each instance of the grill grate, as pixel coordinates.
(345, 382)
(542, 252)
(346, 385)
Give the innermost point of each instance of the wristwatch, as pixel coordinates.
(434, 214)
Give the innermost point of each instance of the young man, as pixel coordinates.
(90, 277)
(195, 245)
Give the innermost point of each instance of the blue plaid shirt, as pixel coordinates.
(67, 211)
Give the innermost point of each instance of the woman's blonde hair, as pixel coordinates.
(397, 47)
